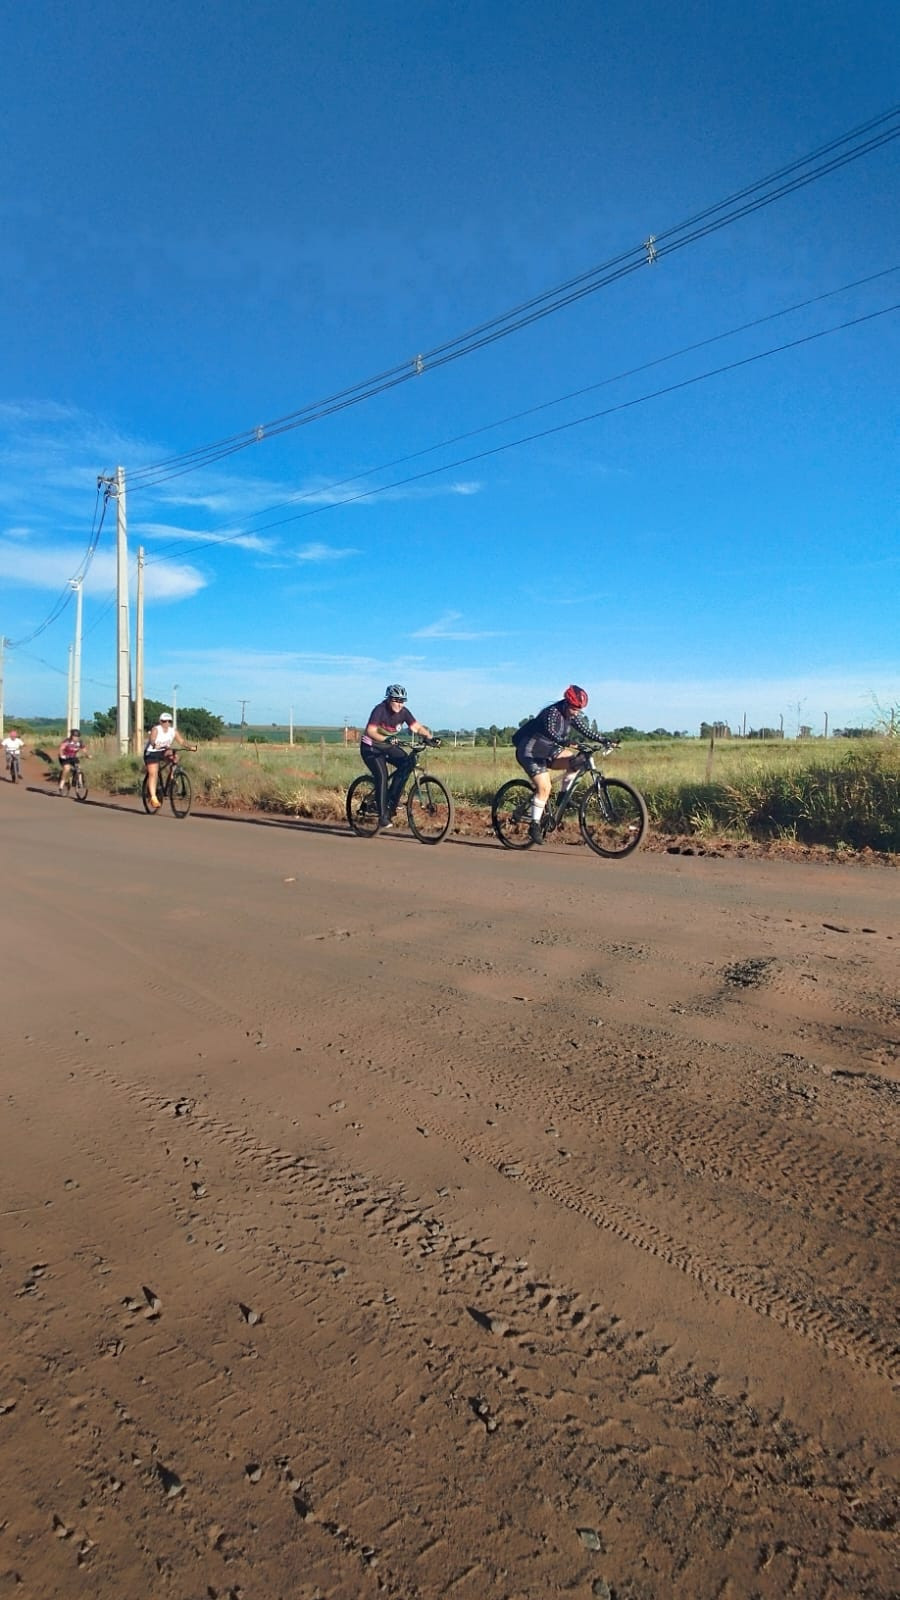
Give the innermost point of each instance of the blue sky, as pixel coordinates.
(212, 216)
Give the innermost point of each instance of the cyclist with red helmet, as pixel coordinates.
(542, 745)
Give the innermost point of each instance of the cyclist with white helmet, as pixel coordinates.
(542, 745)
(379, 746)
(160, 741)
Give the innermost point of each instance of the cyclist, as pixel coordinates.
(542, 745)
(379, 745)
(13, 746)
(160, 741)
(71, 750)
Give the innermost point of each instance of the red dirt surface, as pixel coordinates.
(393, 1221)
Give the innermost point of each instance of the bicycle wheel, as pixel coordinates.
(79, 785)
(429, 809)
(13, 769)
(511, 814)
(145, 797)
(362, 806)
(180, 793)
(613, 817)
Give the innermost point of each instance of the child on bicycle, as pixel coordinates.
(542, 745)
(379, 745)
(163, 736)
(13, 746)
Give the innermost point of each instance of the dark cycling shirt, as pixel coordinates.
(386, 721)
(70, 749)
(552, 729)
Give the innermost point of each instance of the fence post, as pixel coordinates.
(710, 756)
(322, 758)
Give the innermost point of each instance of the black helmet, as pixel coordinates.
(74, 733)
(395, 691)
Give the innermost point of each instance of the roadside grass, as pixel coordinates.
(843, 793)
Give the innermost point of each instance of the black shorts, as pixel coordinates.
(535, 755)
(156, 755)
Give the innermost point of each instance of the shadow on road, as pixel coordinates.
(337, 830)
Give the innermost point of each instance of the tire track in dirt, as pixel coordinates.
(831, 1328)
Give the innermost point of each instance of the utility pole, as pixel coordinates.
(291, 734)
(175, 706)
(123, 643)
(70, 693)
(77, 585)
(826, 724)
(244, 705)
(139, 656)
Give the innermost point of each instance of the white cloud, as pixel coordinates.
(53, 566)
(16, 533)
(168, 530)
(444, 628)
(323, 552)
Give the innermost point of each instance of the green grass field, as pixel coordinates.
(841, 793)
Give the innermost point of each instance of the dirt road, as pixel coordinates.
(400, 1222)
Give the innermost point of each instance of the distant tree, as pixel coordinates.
(194, 722)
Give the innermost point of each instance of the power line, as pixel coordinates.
(60, 604)
(184, 547)
(753, 197)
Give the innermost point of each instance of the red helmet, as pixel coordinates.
(575, 697)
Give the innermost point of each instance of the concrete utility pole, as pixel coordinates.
(123, 642)
(175, 706)
(291, 734)
(139, 657)
(69, 692)
(75, 708)
(244, 705)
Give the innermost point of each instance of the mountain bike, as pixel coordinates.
(429, 806)
(612, 815)
(172, 784)
(13, 765)
(75, 782)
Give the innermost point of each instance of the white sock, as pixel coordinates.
(537, 809)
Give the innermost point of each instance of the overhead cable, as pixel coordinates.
(828, 158)
(78, 576)
(530, 411)
(545, 433)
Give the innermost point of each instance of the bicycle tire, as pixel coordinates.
(429, 809)
(145, 797)
(362, 807)
(511, 814)
(180, 793)
(79, 786)
(14, 773)
(613, 818)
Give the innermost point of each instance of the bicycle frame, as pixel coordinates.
(565, 799)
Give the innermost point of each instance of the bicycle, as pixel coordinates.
(172, 784)
(13, 766)
(612, 815)
(74, 781)
(429, 805)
